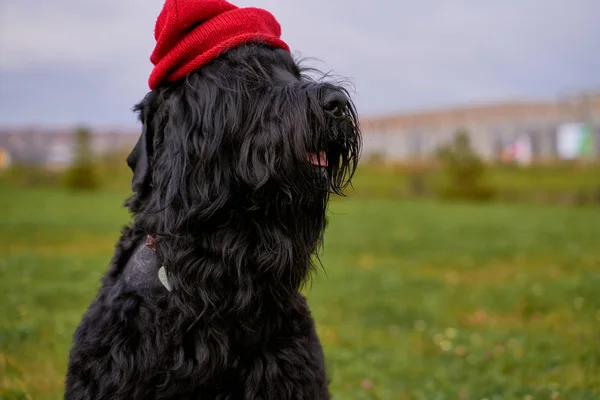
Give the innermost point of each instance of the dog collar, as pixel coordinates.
(162, 271)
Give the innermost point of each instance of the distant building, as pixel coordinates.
(523, 131)
(5, 160)
(54, 148)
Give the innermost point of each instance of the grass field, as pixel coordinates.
(420, 300)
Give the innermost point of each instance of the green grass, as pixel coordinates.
(419, 300)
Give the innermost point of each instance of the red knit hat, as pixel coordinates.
(191, 33)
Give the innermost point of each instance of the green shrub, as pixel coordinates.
(463, 171)
(82, 173)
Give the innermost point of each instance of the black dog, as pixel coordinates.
(232, 176)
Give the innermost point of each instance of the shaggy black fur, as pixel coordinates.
(223, 182)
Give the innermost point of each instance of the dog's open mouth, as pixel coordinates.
(319, 159)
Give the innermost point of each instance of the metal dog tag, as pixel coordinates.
(162, 277)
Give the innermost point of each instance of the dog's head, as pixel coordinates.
(238, 159)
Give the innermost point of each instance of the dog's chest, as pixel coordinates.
(142, 271)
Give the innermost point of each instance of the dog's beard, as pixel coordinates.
(236, 183)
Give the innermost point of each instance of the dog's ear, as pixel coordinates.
(139, 160)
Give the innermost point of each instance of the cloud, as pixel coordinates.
(72, 32)
(94, 55)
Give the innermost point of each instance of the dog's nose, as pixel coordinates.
(334, 102)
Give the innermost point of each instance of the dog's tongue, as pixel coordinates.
(319, 159)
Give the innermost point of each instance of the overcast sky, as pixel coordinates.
(87, 61)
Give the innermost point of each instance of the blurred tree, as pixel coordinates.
(463, 170)
(82, 174)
